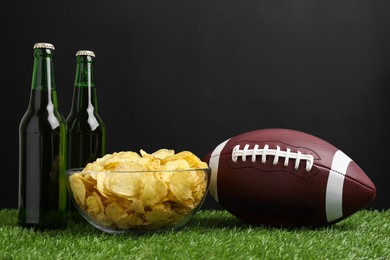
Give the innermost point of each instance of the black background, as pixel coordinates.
(189, 74)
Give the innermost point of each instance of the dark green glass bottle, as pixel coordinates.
(42, 150)
(86, 130)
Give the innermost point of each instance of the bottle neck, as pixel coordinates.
(84, 94)
(84, 72)
(43, 88)
(43, 71)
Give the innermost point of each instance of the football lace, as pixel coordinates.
(277, 153)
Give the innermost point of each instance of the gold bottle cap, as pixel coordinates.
(85, 53)
(43, 45)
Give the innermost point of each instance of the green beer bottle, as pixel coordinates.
(42, 150)
(86, 130)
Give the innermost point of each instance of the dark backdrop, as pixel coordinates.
(189, 74)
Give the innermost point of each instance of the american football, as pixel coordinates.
(286, 178)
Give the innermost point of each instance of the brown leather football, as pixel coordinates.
(286, 178)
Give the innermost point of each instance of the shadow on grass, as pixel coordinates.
(222, 220)
(217, 220)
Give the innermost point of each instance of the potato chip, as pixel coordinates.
(88, 181)
(100, 184)
(178, 204)
(129, 221)
(111, 166)
(102, 160)
(124, 184)
(199, 192)
(143, 153)
(181, 209)
(192, 160)
(130, 166)
(78, 189)
(137, 206)
(164, 176)
(199, 177)
(177, 217)
(94, 204)
(108, 201)
(153, 165)
(95, 209)
(157, 215)
(181, 185)
(179, 164)
(154, 190)
(163, 153)
(128, 155)
(93, 167)
(115, 212)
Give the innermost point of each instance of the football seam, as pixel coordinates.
(273, 141)
(308, 175)
(345, 176)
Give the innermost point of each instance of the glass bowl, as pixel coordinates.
(138, 201)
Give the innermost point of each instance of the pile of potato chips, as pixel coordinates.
(127, 190)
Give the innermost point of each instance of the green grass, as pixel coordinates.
(210, 235)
